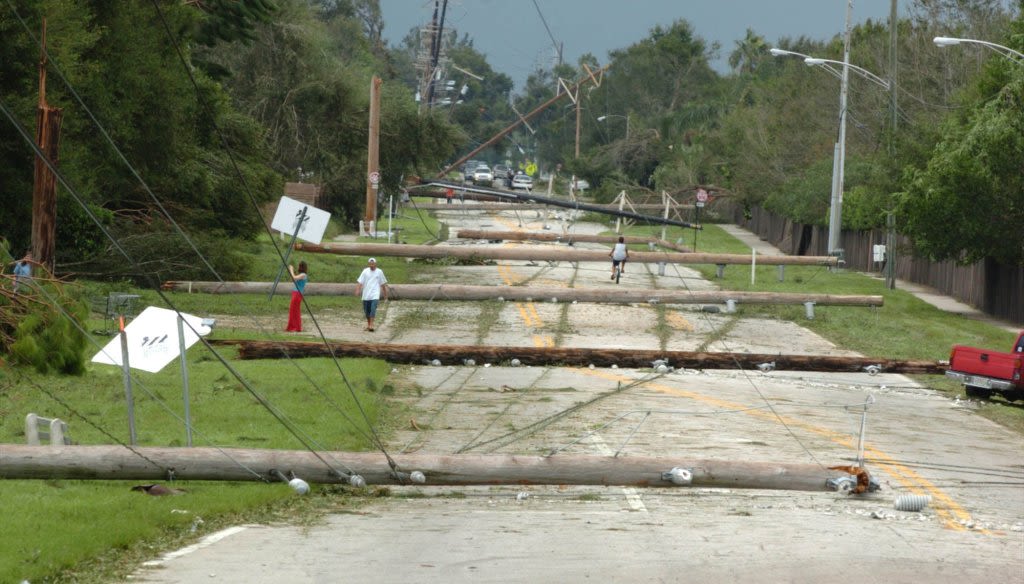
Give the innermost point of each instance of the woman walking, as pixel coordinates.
(295, 309)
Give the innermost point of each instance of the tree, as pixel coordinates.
(749, 53)
(968, 203)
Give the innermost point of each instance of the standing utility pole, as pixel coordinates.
(44, 188)
(578, 113)
(372, 159)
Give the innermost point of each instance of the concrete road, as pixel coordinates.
(915, 442)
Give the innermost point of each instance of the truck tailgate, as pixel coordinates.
(988, 363)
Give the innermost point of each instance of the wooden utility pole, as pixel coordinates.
(44, 188)
(569, 238)
(616, 294)
(372, 159)
(539, 253)
(238, 464)
(580, 357)
(522, 119)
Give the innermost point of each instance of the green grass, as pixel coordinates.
(93, 531)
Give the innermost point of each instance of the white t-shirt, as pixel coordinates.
(619, 253)
(372, 280)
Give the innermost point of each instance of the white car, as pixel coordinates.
(482, 175)
(522, 181)
(580, 185)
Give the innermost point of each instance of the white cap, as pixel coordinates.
(371, 261)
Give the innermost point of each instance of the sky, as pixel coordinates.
(513, 36)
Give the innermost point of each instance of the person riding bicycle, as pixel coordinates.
(619, 255)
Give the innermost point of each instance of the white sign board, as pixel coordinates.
(375, 178)
(152, 340)
(287, 219)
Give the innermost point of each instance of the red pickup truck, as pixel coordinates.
(983, 371)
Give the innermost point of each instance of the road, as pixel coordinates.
(916, 442)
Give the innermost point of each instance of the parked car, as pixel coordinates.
(983, 371)
(580, 185)
(500, 172)
(522, 181)
(482, 175)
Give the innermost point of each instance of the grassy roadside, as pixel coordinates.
(905, 327)
(98, 531)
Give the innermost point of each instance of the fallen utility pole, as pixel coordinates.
(569, 238)
(553, 254)
(239, 464)
(532, 198)
(581, 357)
(615, 294)
(523, 119)
(513, 206)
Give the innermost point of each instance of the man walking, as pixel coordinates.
(372, 286)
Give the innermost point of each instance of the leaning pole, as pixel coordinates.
(238, 464)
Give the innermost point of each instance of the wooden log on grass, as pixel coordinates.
(146, 463)
(581, 357)
(544, 253)
(611, 294)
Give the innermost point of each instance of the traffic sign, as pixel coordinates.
(375, 178)
(702, 196)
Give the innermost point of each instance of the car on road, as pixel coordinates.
(500, 172)
(522, 181)
(469, 168)
(483, 175)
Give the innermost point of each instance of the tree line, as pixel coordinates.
(216, 103)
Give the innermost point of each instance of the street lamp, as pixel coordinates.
(625, 117)
(839, 152)
(812, 61)
(1004, 51)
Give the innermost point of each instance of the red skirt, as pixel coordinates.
(295, 313)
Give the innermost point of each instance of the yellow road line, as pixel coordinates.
(945, 507)
(678, 321)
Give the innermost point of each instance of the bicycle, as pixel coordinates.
(617, 269)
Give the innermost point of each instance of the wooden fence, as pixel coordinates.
(993, 288)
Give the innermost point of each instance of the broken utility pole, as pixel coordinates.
(581, 357)
(554, 254)
(617, 295)
(44, 188)
(240, 464)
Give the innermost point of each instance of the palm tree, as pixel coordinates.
(749, 52)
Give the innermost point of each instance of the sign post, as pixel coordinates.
(149, 342)
(702, 197)
(303, 222)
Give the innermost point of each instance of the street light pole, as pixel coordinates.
(1007, 52)
(835, 220)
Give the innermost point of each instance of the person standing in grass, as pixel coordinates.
(372, 286)
(295, 309)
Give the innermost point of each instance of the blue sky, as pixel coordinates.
(513, 37)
